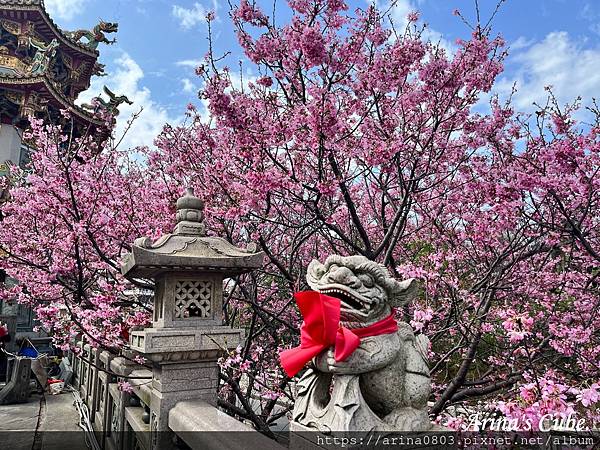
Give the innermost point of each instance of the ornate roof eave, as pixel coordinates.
(189, 249)
(174, 252)
(24, 80)
(38, 5)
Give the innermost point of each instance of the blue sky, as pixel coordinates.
(552, 42)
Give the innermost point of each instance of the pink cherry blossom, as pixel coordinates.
(125, 386)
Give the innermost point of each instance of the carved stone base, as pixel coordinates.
(162, 403)
(17, 389)
(184, 368)
(172, 345)
(344, 409)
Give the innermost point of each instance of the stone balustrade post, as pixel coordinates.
(92, 398)
(102, 412)
(117, 402)
(84, 383)
(76, 363)
(187, 336)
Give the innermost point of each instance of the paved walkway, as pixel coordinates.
(47, 422)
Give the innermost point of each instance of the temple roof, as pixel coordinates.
(21, 9)
(38, 57)
(43, 86)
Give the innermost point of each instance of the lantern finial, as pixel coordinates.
(190, 214)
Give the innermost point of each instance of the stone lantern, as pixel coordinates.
(187, 335)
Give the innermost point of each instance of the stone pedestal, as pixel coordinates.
(117, 402)
(17, 388)
(102, 425)
(184, 365)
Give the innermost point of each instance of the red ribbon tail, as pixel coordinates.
(294, 359)
(345, 343)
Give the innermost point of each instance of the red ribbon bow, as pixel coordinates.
(321, 329)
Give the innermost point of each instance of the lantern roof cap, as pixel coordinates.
(188, 249)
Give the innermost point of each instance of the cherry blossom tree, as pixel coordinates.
(362, 138)
(71, 215)
(357, 137)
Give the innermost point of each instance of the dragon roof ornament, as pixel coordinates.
(64, 36)
(95, 36)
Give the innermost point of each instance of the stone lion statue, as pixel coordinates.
(384, 384)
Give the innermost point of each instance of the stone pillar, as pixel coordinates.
(101, 413)
(92, 399)
(10, 152)
(78, 366)
(10, 143)
(117, 402)
(84, 383)
(187, 336)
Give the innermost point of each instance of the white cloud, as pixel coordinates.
(193, 63)
(558, 61)
(125, 78)
(399, 12)
(64, 9)
(190, 17)
(188, 86)
(520, 43)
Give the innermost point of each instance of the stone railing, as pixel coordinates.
(122, 420)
